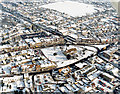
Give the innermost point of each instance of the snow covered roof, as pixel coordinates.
(20, 83)
(108, 75)
(80, 65)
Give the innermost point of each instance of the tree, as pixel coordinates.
(68, 56)
(16, 92)
(2, 84)
(54, 54)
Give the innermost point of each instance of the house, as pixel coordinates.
(106, 77)
(85, 89)
(78, 76)
(98, 60)
(70, 80)
(65, 71)
(38, 68)
(113, 50)
(81, 65)
(115, 71)
(64, 89)
(12, 87)
(85, 32)
(91, 71)
(28, 68)
(89, 40)
(70, 88)
(104, 40)
(91, 60)
(71, 53)
(12, 79)
(108, 66)
(20, 84)
(86, 68)
(75, 86)
(115, 56)
(107, 55)
(15, 70)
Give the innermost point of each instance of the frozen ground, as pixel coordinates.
(71, 8)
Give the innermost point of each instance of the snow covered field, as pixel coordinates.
(61, 59)
(71, 8)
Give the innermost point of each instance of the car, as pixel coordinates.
(100, 82)
(103, 85)
(109, 87)
(102, 89)
(97, 91)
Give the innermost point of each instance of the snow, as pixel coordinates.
(73, 35)
(108, 75)
(80, 65)
(108, 66)
(54, 27)
(20, 83)
(104, 20)
(101, 46)
(105, 88)
(30, 41)
(49, 53)
(36, 40)
(65, 63)
(90, 48)
(115, 71)
(99, 60)
(94, 76)
(4, 46)
(60, 58)
(86, 89)
(71, 8)
(63, 89)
